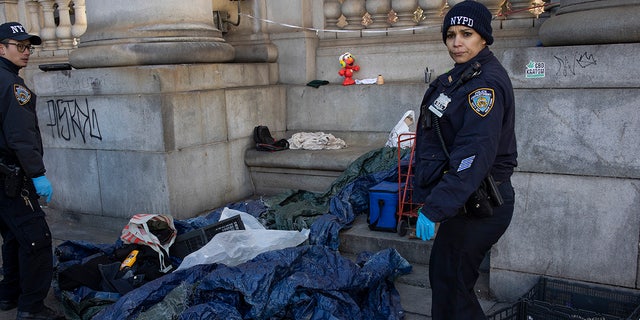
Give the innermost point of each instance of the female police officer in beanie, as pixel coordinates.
(473, 108)
(27, 258)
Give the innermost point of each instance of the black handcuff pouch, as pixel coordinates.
(13, 179)
(482, 201)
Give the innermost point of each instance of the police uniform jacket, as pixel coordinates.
(20, 140)
(477, 126)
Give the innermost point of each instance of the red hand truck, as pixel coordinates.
(407, 208)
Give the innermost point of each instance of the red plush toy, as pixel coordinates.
(348, 67)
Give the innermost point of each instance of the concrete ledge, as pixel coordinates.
(312, 170)
(271, 181)
(328, 160)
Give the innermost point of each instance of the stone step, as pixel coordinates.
(311, 170)
(360, 238)
(414, 288)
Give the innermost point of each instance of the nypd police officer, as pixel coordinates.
(465, 132)
(27, 259)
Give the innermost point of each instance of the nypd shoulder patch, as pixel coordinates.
(23, 95)
(481, 101)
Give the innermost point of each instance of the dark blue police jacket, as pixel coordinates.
(477, 126)
(20, 140)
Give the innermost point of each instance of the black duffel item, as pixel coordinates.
(265, 142)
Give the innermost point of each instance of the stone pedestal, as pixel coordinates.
(166, 139)
(583, 22)
(142, 32)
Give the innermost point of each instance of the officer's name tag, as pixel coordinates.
(440, 105)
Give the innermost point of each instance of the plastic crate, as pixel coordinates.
(531, 310)
(539, 310)
(556, 299)
(193, 240)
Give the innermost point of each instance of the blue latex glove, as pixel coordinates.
(425, 228)
(43, 187)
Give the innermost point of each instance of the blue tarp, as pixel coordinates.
(305, 282)
(311, 281)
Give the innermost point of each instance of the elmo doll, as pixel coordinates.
(348, 67)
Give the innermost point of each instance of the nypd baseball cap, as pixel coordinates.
(15, 31)
(471, 14)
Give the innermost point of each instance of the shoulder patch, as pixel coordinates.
(23, 95)
(481, 101)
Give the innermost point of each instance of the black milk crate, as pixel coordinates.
(193, 240)
(539, 310)
(556, 299)
(512, 312)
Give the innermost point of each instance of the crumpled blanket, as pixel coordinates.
(315, 141)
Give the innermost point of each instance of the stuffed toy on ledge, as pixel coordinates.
(347, 61)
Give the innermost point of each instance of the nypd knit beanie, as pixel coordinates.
(471, 14)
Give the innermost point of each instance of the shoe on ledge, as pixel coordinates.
(44, 314)
(6, 305)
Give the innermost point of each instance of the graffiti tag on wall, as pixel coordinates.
(73, 119)
(567, 65)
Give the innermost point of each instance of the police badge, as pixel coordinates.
(481, 101)
(23, 95)
(440, 105)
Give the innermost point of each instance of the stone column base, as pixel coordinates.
(581, 22)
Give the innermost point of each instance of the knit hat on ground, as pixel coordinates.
(471, 14)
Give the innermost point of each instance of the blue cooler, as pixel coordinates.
(383, 206)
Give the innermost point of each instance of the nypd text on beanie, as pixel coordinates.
(471, 14)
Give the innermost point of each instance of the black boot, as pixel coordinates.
(8, 304)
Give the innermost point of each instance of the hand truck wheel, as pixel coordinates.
(402, 228)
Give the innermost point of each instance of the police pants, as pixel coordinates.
(27, 258)
(458, 250)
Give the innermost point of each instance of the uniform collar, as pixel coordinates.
(9, 65)
(449, 78)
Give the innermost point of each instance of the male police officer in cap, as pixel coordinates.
(27, 259)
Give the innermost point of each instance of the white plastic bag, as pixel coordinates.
(238, 246)
(249, 221)
(138, 231)
(401, 127)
